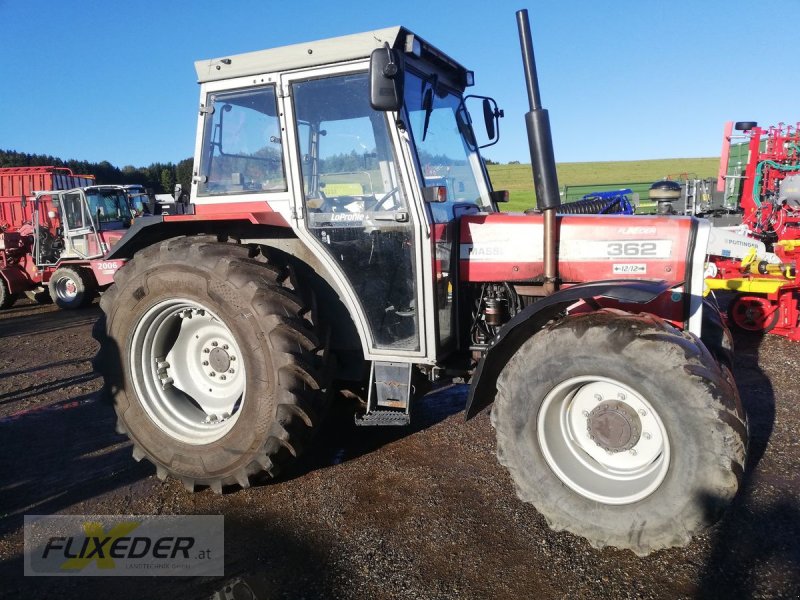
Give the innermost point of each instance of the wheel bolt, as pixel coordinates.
(206, 350)
(598, 397)
(223, 377)
(205, 363)
(643, 412)
(225, 346)
(633, 452)
(231, 371)
(621, 396)
(212, 374)
(215, 344)
(646, 435)
(232, 358)
(585, 413)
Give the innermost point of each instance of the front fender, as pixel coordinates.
(532, 318)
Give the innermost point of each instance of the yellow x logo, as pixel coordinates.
(99, 545)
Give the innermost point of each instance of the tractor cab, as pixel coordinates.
(78, 224)
(366, 145)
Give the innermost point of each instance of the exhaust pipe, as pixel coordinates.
(543, 162)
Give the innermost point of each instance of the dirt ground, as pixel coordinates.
(418, 512)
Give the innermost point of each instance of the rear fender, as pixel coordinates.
(531, 319)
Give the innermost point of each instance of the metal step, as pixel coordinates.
(383, 418)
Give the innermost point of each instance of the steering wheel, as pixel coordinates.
(392, 192)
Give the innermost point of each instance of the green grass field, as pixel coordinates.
(518, 179)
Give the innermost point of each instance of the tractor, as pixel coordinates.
(52, 242)
(343, 239)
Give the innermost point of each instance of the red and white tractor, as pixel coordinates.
(343, 233)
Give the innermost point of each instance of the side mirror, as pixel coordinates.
(386, 79)
(491, 118)
(498, 196)
(488, 119)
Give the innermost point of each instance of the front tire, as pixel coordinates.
(213, 362)
(621, 429)
(71, 287)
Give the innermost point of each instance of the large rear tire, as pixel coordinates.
(213, 362)
(621, 429)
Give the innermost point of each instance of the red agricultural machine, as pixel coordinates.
(53, 235)
(763, 275)
(343, 236)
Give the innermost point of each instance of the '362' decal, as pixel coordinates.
(642, 249)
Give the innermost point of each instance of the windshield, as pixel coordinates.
(437, 119)
(108, 205)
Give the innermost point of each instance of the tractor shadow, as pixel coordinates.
(757, 544)
(341, 440)
(58, 455)
(263, 559)
(46, 320)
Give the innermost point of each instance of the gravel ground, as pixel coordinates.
(422, 512)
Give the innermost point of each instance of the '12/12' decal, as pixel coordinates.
(629, 269)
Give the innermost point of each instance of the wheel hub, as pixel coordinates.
(614, 426)
(219, 360)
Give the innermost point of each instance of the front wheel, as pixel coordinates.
(71, 287)
(621, 429)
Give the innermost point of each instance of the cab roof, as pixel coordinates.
(321, 52)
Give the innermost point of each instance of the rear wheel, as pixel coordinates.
(71, 287)
(6, 297)
(756, 314)
(621, 429)
(213, 361)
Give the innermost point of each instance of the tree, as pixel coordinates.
(183, 174)
(167, 180)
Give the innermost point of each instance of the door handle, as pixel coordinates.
(400, 216)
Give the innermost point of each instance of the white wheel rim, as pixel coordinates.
(630, 454)
(188, 371)
(66, 288)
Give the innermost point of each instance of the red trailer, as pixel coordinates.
(52, 239)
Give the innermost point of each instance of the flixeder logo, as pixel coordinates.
(73, 545)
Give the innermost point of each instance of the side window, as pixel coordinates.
(242, 144)
(73, 211)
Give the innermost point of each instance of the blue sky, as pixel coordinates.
(624, 80)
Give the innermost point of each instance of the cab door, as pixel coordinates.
(354, 204)
(81, 239)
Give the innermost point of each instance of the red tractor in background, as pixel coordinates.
(343, 240)
(764, 277)
(52, 241)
